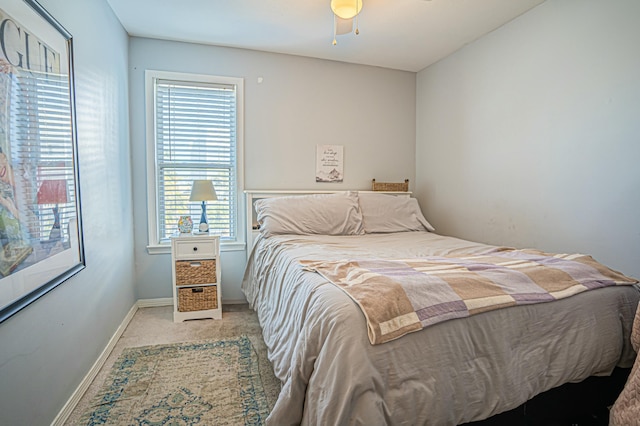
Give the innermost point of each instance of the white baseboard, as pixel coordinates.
(234, 302)
(150, 303)
(66, 411)
(71, 404)
(168, 301)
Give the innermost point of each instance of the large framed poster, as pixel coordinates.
(40, 222)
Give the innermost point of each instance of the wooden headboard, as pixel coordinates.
(253, 195)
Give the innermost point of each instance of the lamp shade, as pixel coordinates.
(53, 191)
(203, 190)
(346, 9)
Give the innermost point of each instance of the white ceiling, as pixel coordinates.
(400, 34)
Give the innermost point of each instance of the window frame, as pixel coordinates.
(155, 246)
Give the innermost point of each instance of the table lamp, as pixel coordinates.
(53, 191)
(203, 190)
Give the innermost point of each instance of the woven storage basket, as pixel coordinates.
(197, 298)
(391, 186)
(195, 272)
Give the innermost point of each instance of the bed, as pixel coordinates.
(449, 372)
(626, 410)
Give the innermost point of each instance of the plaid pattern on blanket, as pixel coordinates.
(400, 296)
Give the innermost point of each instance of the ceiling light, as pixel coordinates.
(346, 9)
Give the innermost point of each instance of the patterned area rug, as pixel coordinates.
(205, 383)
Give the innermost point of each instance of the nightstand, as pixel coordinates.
(195, 270)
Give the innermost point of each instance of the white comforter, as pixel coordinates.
(449, 373)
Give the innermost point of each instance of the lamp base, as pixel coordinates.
(204, 226)
(55, 233)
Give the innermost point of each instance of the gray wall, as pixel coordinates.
(300, 103)
(530, 136)
(47, 348)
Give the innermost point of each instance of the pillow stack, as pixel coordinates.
(343, 213)
(384, 213)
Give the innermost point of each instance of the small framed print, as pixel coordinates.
(330, 163)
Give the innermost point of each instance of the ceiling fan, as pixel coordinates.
(344, 13)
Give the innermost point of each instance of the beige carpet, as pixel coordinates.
(154, 326)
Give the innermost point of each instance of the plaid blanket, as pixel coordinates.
(400, 296)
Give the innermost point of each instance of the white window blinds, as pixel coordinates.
(195, 125)
(42, 150)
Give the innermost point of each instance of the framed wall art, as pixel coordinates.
(329, 163)
(41, 241)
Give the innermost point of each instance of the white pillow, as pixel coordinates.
(389, 213)
(328, 214)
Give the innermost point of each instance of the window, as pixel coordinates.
(194, 132)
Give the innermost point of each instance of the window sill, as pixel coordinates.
(166, 248)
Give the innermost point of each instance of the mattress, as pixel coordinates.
(453, 372)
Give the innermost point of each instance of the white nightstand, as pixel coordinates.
(196, 277)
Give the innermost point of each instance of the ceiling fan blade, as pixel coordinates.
(343, 26)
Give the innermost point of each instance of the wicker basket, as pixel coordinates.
(195, 272)
(391, 186)
(197, 298)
